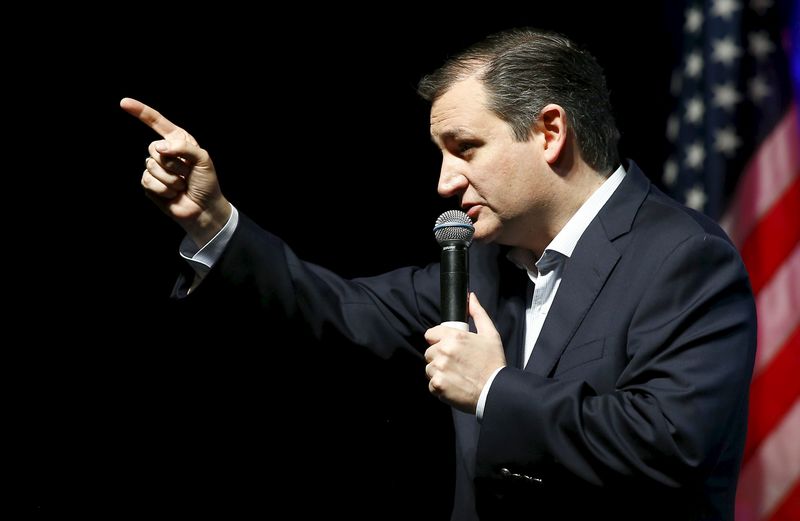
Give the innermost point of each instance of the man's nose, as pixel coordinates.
(451, 180)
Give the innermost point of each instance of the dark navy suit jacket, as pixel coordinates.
(634, 402)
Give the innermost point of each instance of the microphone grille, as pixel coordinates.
(454, 225)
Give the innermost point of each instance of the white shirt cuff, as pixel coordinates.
(484, 394)
(203, 259)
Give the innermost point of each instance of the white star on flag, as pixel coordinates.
(725, 8)
(694, 19)
(694, 65)
(695, 155)
(695, 110)
(726, 141)
(725, 51)
(670, 173)
(758, 89)
(760, 45)
(726, 96)
(696, 198)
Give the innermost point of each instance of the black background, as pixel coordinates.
(132, 405)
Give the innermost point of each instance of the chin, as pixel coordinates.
(484, 234)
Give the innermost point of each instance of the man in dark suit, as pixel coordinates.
(613, 344)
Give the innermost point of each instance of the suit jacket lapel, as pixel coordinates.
(586, 271)
(584, 275)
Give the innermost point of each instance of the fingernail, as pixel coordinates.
(161, 146)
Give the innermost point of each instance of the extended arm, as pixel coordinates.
(381, 313)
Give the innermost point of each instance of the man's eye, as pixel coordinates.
(464, 147)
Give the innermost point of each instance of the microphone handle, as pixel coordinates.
(454, 282)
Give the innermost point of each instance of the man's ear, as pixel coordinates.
(552, 124)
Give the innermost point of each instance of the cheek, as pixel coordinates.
(504, 176)
(507, 179)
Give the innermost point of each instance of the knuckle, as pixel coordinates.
(448, 348)
(460, 335)
(153, 185)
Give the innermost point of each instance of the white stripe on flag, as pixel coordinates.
(778, 303)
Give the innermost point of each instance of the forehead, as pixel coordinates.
(461, 108)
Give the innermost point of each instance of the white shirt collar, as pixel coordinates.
(566, 240)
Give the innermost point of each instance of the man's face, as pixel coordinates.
(498, 179)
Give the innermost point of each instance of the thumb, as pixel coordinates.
(483, 323)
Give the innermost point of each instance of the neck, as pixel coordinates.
(570, 192)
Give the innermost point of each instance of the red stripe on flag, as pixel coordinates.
(770, 243)
(789, 509)
(772, 393)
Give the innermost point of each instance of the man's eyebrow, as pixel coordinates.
(455, 133)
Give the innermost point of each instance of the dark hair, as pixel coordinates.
(525, 69)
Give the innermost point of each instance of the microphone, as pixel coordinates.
(454, 231)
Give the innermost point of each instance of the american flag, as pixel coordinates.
(735, 155)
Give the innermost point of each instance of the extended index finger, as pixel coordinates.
(152, 118)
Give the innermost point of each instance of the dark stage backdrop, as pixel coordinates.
(131, 404)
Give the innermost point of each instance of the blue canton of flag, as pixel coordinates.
(731, 89)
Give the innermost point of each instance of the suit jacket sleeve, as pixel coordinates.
(686, 361)
(381, 313)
